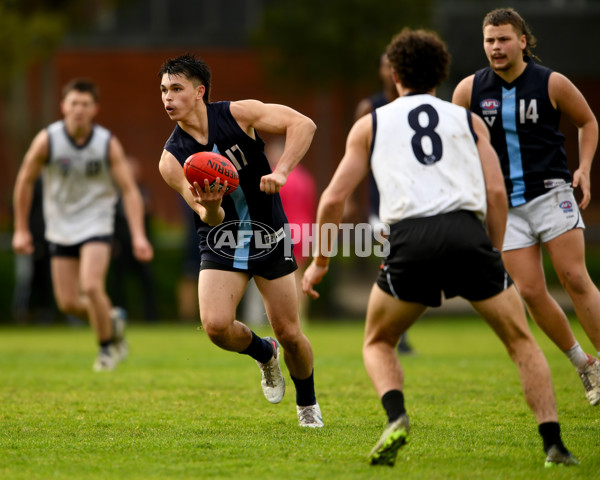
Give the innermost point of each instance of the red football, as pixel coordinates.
(210, 165)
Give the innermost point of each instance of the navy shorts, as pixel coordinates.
(279, 267)
(449, 253)
(58, 250)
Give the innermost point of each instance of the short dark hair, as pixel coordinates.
(419, 58)
(506, 16)
(83, 85)
(192, 68)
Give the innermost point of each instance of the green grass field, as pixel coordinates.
(180, 408)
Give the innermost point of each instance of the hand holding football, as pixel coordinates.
(210, 165)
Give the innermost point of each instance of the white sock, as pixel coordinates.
(577, 356)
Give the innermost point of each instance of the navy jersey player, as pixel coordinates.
(521, 103)
(242, 234)
(439, 179)
(248, 210)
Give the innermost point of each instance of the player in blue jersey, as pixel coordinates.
(252, 215)
(521, 103)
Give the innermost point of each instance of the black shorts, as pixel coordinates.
(58, 250)
(448, 253)
(280, 267)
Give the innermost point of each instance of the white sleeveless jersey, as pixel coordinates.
(79, 193)
(425, 160)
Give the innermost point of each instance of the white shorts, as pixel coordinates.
(542, 219)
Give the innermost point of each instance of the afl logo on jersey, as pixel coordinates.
(489, 104)
(246, 238)
(566, 206)
(489, 110)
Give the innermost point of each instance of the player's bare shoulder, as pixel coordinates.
(116, 150)
(39, 149)
(462, 92)
(358, 142)
(41, 143)
(362, 130)
(245, 111)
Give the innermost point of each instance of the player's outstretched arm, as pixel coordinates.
(353, 167)
(205, 203)
(30, 170)
(567, 98)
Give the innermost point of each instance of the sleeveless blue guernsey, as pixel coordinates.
(524, 130)
(255, 222)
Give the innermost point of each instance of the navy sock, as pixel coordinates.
(550, 432)
(305, 391)
(393, 403)
(259, 349)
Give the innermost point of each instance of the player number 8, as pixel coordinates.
(425, 131)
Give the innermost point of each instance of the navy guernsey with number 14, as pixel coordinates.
(255, 224)
(524, 130)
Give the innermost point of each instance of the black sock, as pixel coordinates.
(393, 403)
(259, 349)
(550, 432)
(305, 391)
(105, 344)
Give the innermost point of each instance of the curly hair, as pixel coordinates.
(506, 16)
(419, 58)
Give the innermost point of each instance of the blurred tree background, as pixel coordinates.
(303, 45)
(31, 31)
(320, 57)
(317, 44)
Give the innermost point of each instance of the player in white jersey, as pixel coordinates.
(405, 186)
(80, 163)
(79, 192)
(439, 178)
